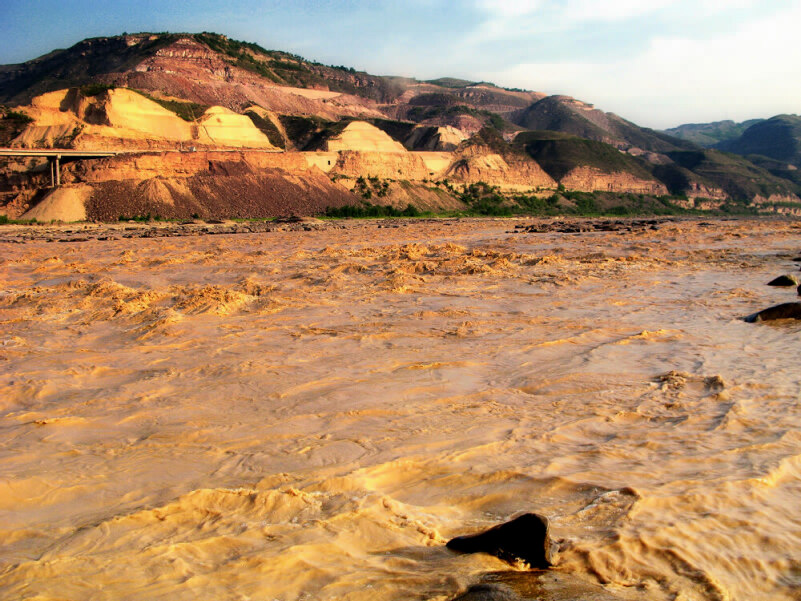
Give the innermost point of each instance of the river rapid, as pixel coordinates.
(312, 415)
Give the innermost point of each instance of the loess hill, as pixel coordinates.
(348, 137)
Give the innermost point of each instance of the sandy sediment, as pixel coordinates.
(312, 411)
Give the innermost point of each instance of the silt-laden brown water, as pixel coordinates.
(311, 415)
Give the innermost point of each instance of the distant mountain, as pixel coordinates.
(560, 153)
(735, 175)
(568, 115)
(709, 135)
(778, 138)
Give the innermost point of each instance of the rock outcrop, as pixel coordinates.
(474, 164)
(364, 137)
(590, 179)
(406, 165)
(122, 119)
(445, 138)
(182, 184)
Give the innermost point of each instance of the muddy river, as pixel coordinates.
(304, 415)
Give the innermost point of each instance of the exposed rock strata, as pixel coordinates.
(208, 184)
(122, 119)
(590, 179)
(362, 136)
(478, 163)
(407, 165)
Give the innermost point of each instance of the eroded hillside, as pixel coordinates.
(437, 145)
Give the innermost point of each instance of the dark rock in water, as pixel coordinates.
(526, 538)
(798, 290)
(783, 311)
(784, 280)
(797, 259)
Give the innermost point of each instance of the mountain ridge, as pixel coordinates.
(230, 93)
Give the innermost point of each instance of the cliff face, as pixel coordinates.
(364, 137)
(589, 179)
(121, 119)
(179, 185)
(480, 164)
(434, 139)
(178, 165)
(354, 164)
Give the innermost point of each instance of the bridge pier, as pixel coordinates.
(55, 156)
(55, 171)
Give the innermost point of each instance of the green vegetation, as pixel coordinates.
(343, 68)
(781, 169)
(95, 89)
(66, 140)
(188, 111)
(492, 139)
(268, 128)
(422, 113)
(79, 65)
(370, 186)
(559, 153)
(286, 68)
(224, 45)
(252, 57)
(709, 135)
(144, 218)
(450, 82)
(397, 130)
(735, 175)
(11, 124)
(371, 210)
(778, 138)
(485, 199)
(310, 133)
(15, 117)
(4, 220)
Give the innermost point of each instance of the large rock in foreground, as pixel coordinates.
(526, 539)
(783, 311)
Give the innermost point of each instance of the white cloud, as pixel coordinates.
(521, 18)
(750, 72)
(509, 8)
(592, 10)
(718, 6)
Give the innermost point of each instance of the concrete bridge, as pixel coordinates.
(56, 156)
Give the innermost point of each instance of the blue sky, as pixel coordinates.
(656, 62)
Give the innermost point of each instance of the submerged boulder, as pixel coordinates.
(784, 280)
(526, 538)
(783, 311)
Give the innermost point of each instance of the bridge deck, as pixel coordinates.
(56, 153)
(55, 156)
